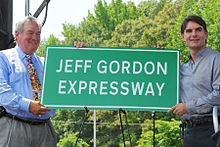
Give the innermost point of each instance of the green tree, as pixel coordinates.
(167, 134)
(147, 31)
(128, 34)
(69, 141)
(162, 24)
(99, 27)
(51, 41)
(70, 34)
(209, 11)
(119, 24)
(69, 121)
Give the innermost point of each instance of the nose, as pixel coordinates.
(194, 33)
(35, 36)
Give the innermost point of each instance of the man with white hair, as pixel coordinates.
(24, 121)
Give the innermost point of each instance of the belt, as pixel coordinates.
(197, 121)
(27, 120)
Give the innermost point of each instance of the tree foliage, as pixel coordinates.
(209, 11)
(167, 134)
(118, 24)
(69, 121)
(69, 141)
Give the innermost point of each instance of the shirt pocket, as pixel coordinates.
(17, 74)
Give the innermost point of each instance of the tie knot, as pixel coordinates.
(27, 56)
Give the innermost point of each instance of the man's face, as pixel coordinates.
(29, 39)
(194, 36)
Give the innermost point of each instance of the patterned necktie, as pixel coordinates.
(35, 83)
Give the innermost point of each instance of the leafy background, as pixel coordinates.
(118, 24)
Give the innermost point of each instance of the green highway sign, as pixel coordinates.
(110, 78)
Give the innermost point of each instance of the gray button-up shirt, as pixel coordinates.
(199, 84)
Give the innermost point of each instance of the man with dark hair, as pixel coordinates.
(199, 85)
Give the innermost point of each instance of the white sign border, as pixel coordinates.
(105, 49)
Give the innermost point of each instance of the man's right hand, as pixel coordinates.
(79, 44)
(179, 109)
(37, 108)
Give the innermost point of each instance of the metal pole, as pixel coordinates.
(122, 130)
(27, 7)
(86, 113)
(40, 9)
(94, 128)
(127, 127)
(154, 128)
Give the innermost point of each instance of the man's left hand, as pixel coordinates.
(37, 108)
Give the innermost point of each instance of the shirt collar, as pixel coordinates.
(201, 53)
(21, 53)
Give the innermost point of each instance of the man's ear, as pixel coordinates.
(206, 35)
(183, 38)
(16, 34)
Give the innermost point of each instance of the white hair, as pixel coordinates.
(30, 19)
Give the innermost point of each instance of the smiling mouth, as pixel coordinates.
(33, 42)
(194, 40)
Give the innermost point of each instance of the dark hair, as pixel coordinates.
(194, 18)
